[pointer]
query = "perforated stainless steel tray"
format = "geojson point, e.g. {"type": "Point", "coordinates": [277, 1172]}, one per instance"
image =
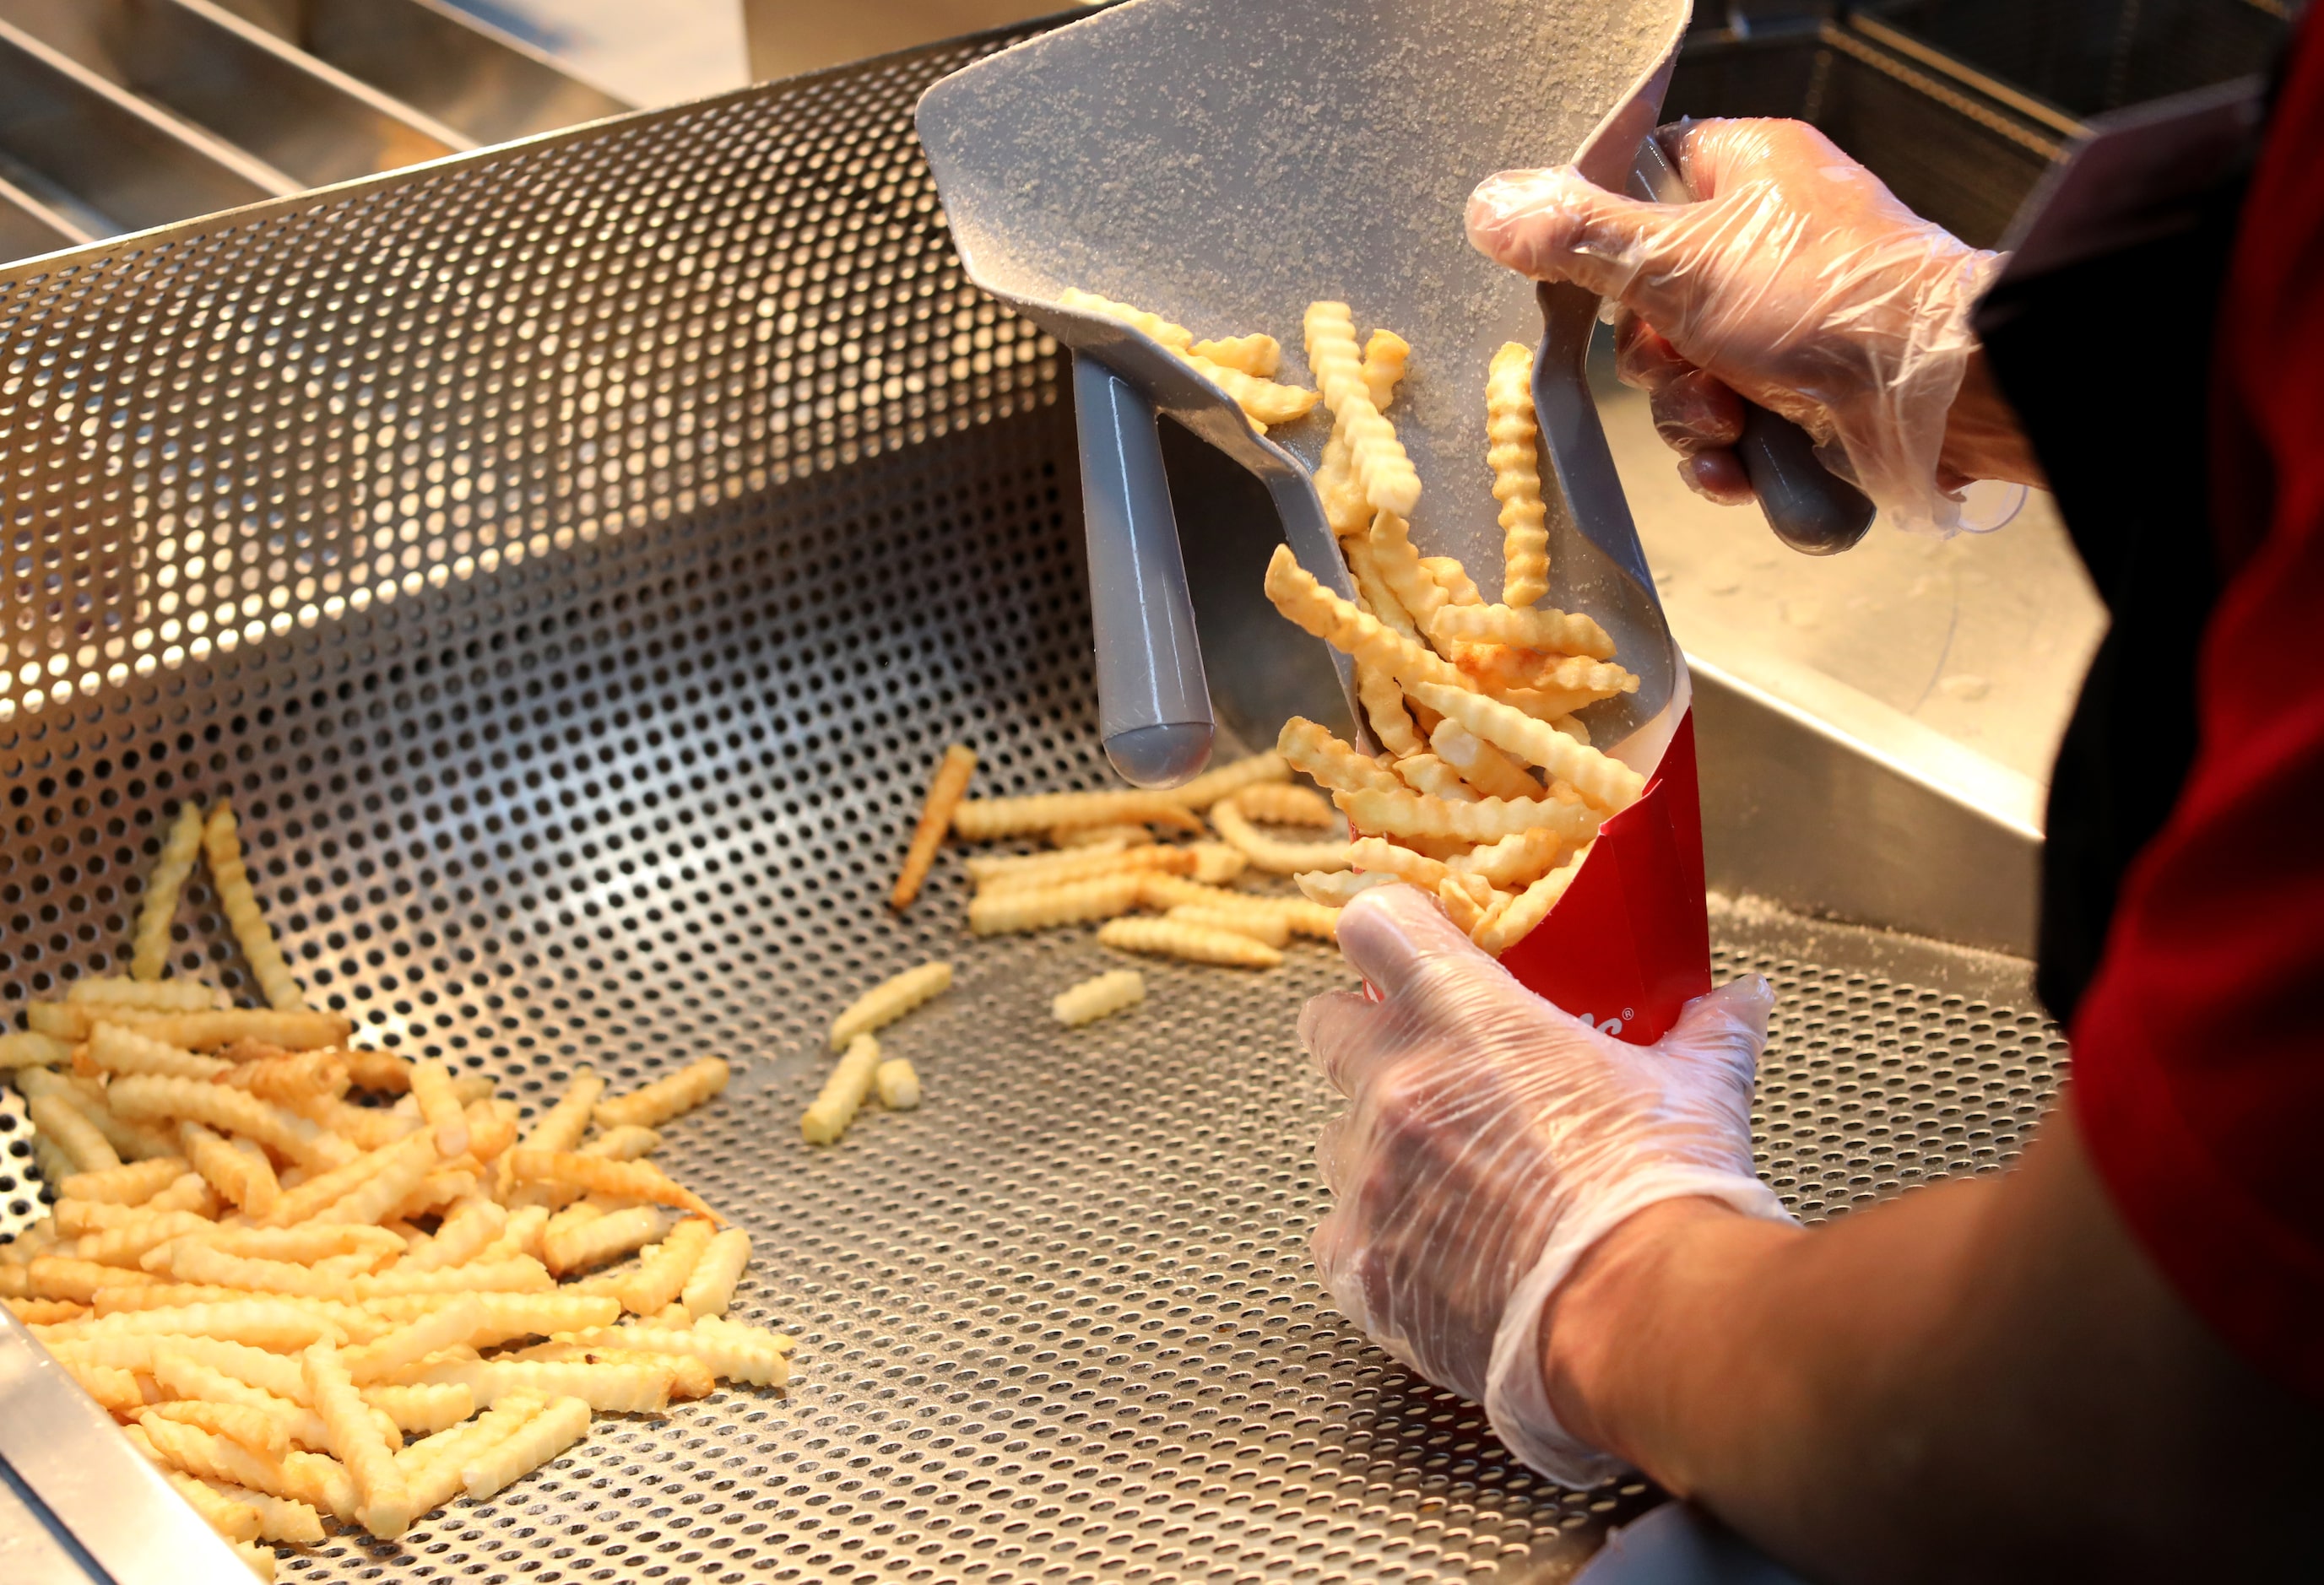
{"type": "Point", "coordinates": [571, 559]}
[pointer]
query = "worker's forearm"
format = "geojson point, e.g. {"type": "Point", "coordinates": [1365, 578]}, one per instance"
{"type": "Point", "coordinates": [1846, 1395]}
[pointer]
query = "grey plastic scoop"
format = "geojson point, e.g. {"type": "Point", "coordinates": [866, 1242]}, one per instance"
{"type": "Point", "coordinates": [1224, 163]}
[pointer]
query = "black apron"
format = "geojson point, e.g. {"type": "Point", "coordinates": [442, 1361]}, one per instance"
{"type": "Point", "coordinates": [2100, 333]}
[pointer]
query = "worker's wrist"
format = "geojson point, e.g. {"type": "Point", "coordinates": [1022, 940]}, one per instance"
{"type": "Point", "coordinates": [1617, 1332]}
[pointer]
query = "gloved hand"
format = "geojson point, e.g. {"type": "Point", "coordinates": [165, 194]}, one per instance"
{"type": "Point", "coordinates": [1796, 279]}
{"type": "Point", "coordinates": [1490, 1140]}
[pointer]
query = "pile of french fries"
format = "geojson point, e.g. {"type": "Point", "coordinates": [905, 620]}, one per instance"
{"type": "Point", "coordinates": [274, 1257]}
{"type": "Point", "coordinates": [1487, 793]}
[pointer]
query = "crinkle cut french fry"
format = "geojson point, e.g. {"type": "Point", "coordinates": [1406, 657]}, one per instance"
{"type": "Point", "coordinates": [1382, 697]}
{"type": "Point", "coordinates": [123, 1246]}
{"type": "Point", "coordinates": [1512, 923]}
{"type": "Point", "coordinates": [1178, 338]}
{"type": "Point", "coordinates": [610, 1389]}
{"type": "Point", "coordinates": [1606, 782]}
{"type": "Point", "coordinates": [886, 1002]}
{"type": "Point", "coordinates": [236, 1521]}
{"type": "Point", "coordinates": [29, 1048]}
{"type": "Point", "coordinates": [1117, 836]}
{"type": "Point", "coordinates": [1528, 627]}
{"type": "Point", "coordinates": [1099, 997]}
{"type": "Point", "coordinates": [410, 1162]}
{"type": "Point", "coordinates": [457, 1322]}
{"type": "Point", "coordinates": [149, 949]}
{"type": "Point", "coordinates": [577, 1245]}
{"type": "Point", "coordinates": [152, 1352]}
{"type": "Point", "coordinates": [176, 1373]}
{"type": "Point", "coordinates": [357, 1443]}
{"type": "Point", "coordinates": [47, 1311]}
{"type": "Point", "coordinates": [897, 1082]}
{"type": "Point", "coordinates": [627, 1180]}
{"type": "Point", "coordinates": [99, 992]}
{"type": "Point", "coordinates": [439, 1108]}
{"type": "Point", "coordinates": [130, 1138]}
{"type": "Point", "coordinates": [1514, 437]}
{"type": "Point", "coordinates": [985, 819]}
{"type": "Point", "coordinates": [238, 901]}
{"type": "Point", "coordinates": [1344, 506]}
{"type": "Point", "coordinates": [1460, 906]}
{"type": "Point", "coordinates": [738, 1353]}
{"type": "Point", "coordinates": [1379, 853]}
{"type": "Point", "coordinates": [1216, 863]}
{"type": "Point", "coordinates": [116, 1390]}
{"type": "Point", "coordinates": [625, 1142]}
{"type": "Point", "coordinates": [383, 1071]}
{"type": "Point", "coordinates": [522, 1274]}
{"type": "Point", "coordinates": [424, 1409]}
{"type": "Point", "coordinates": [1339, 888]}
{"type": "Point", "coordinates": [1399, 567]}
{"type": "Point", "coordinates": [1426, 773]}
{"type": "Point", "coordinates": [119, 1050]}
{"type": "Point", "coordinates": [1260, 355]}
{"type": "Point", "coordinates": [947, 787]}
{"type": "Point", "coordinates": [471, 1226]}
{"type": "Point", "coordinates": [843, 1092]}
{"type": "Point", "coordinates": [289, 1077]}
{"type": "Point", "coordinates": [432, 1466]}
{"type": "Point", "coordinates": [124, 1186]}
{"type": "Point", "coordinates": [1372, 592]}
{"type": "Point", "coordinates": [245, 1178]}
{"type": "Point", "coordinates": [1481, 765]}
{"type": "Point", "coordinates": [1305, 919]}
{"type": "Point", "coordinates": [1171, 939]}
{"type": "Point", "coordinates": [1332, 761]}
{"type": "Point", "coordinates": [258, 1430]}
{"type": "Point", "coordinates": [711, 1288]}
{"type": "Point", "coordinates": [1385, 355]}
{"type": "Point", "coordinates": [306, 1243]}
{"type": "Point", "coordinates": [1071, 866]}
{"type": "Point", "coordinates": [663, 1269]}
{"type": "Point", "coordinates": [507, 1316]}
{"type": "Point", "coordinates": [68, 1129]}
{"type": "Point", "coordinates": [259, 1559]}
{"type": "Point", "coordinates": [1015, 909]}
{"type": "Point", "coordinates": [1263, 401]}
{"type": "Point", "coordinates": [1287, 806]}
{"type": "Point", "coordinates": [280, 1519]}
{"type": "Point", "coordinates": [1409, 814]}
{"type": "Point", "coordinates": [1377, 457]}
{"type": "Point", "coordinates": [232, 1111]}
{"type": "Point", "coordinates": [1275, 857]}
{"type": "Point", "coordinates": [1296, 594]}
{"type": "Point", "coordinates": [1514, 861]}
{"type": "Point", "coordinates": [562, 1126]}
{"type": "Point", "coordinates": [692, 1085]}
{"type": "Point", "coordinates": [1273, 929]}
{"type": "Point", "coordinates": [291, 1030]}
{"type": "Point", "coordinates": [1453, 579]}
{"type": "Point", "coordinates": [536, 1442]}
{"type": "Point", "coordinates": [259, 1322]}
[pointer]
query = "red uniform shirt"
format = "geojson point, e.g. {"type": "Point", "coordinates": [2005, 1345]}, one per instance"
{"type": "Point", "coordinates": [2198, 1049]}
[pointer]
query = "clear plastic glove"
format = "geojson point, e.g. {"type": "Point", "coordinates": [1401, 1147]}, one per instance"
{"type": "Point", "coordinates": [1796, 279]}
{"type": "Point", "coordinates": [1490, 1140]}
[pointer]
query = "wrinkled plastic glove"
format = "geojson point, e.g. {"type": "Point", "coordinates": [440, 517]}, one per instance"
{"type": "Point", "coordinates": [1490, 1140]}
{"type": "Point", "coordinates": [1796, 279]}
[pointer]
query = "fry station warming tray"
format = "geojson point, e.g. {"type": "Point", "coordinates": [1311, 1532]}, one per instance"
{"type": "Point", "coordinates": [571, 557]}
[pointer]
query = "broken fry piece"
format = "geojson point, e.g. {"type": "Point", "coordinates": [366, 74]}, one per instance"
{"type": "Point", "coordinates": [1098, 997]}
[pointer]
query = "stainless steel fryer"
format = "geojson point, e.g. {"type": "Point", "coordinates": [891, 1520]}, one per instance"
{"type": "Point", "coordinates": [571, 558]}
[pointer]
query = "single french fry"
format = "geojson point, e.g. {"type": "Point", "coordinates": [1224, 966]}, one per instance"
{"type": "Point", "coordinates": [1373, 593]}
{"type": "Point", "coordinates": [355, 1442]}
{"type": "Point", "coordinates": [736, 1353]}
{"type": "Point", "coordinates": [1121, 835]}
{"type": "Point", "coordinates": [626, 1180]}
{"type": "Point", "coordinates": [280, 1519]}
{"type": "Point", "coordinates": [1275, 856]}
{"type": "Point", "coordinates": [354, 1323]}
{"type": "Point", "coordinates": [191, 1261]}
{"type": "Point", "coordinates": [539, 1440]}
{"type": "Point", "coordinates": [1338, 889]}
{"type": "Point", "coordinates": [411, 1163]}
{"type": "Point", "coordinates": [1426, 773]}
{"type": "Point", "coordinates": [1169, 938]}
{"type": "Point", "coordinates": [1512, 923]}
{"type": "Point", "coordinates": [432, 1468]}
{"type": "Point", "coordinates": [897, 1082]}
{"type": "Point", "coordinates": [610, 1389]}
{"type": "Point", "coordinates": [1099, 997]}
{"type": "Point", "coordinates": [1176, 337]}
{"type": "Point", "coordinates": [255, 1429]}
{"type": "Point", "coordinates": [306, 1243]}
{"type": "Point", "coordinates": [1263, 401]}
{"type": "Point", "coordinates": [238, 901]}
{"type": "Point", "coordinates": [425, 1409]}
{"type": "Point", "coordinates": [154, 1352]}
{"type": "Point", "coordinates": [1514, 861]}
{"type": "Point", "coordinates": [1021, 909]}
{"type": "Point", "coordinates": [245, 1178]}
{"type": "Point", "coordinates": [664, 1268]}
{"type": "Point", "coordinates": [260, 1322]}
{"type": "Point", "coordinates": [623, 1142]}
{"type": "Point", "coordinates": [1377, 853]}
{"type": "Point", "coordinates": [506, 1316]}
{"type": "Point", "coordinates": [286, 1076]}
{"type": "Point", "coordinates": [457, 1322]}
{"type": "Point", "coordinates": [711, 1288]}
{"type": "Point", "coordinates": [1524, 627]}
{"type": "Point", "coordinates": [439, 1108]}
{"type": "Point", "coordinates": [1514, 438]}
{"type": "Point", "coordinates": [133, 1185]}
{"type": "Point", "coordinates": [1344, 506]}
{"type": "Point", "coordinates": [1606, 782]}
{"type": "Point", "coordinates": [1330, 760]}
{"type": "Point", "coordinates": [1399, 567]}
{"type": "Point", "coordinates": [471, 1226]}
{"type": "Point", "coordinates": [124, 1246]}
{"type": "Point", "coordinates": [1481, 766]}
{"type": "Point", "coordinates": [1216, 862]}
{"type": "Point", "coordinates": [562, 1126]}
{"type": "Point", "coordinates": [843, 1092]}
{"type": "Point", "coordinates": [180, 1374]}
{"type": "Point", "coordinates": [383, 1071]}
{"type": "Point", "coordinates": [230, 1110]}
{"type": "Point", "coordinates": [1377, 457]}
{"type": "Point", "coordinates": [1060, 868]}
{"type": "Point", "coordinates": [1409, 816]}
{"type": "Point", "coordinates": [202, 1031]}
{"type": "Point", "coordinates": [366, 1128]}
{"type": "Point", "coordinates": [1287, 806]}
{"type": "Point", "coordinates": [886, 1002]}
{"type": "Point", "coordinates": [1299, 596]}
{"type": "Point", "coordinates": [522, 1274]}
{"type": "Point", "coordinates": [150, 948]}
{"type": "Point", "coordinates": [130, 1139]}
{"type": "Point", "coordinates": [1273, 929]}
{"type": "Point", "coordinates": [1463, 908]}
{"type": "Point", "coordinates": [680, 1092]}
{"type": "Point", "coordinates": [1305, 919]}
{"type": "Point", "coordinates": [1382, 697]}
{"type": "Point", "coordinates": [68, 1129]}
{"type": "Point", "coordinates": [29, 1048]}
{"type": "Point", "coordinates": [1260, 355]}
{"type": "Point", "coordinates": [99, 992]}
{"type": "Point", "coordinates": [236, 1521]}
{"type": "Point", "coordinates": [945, 789]}
{"type": "Point", "coordinates": [1385, 354]}
{"type": "Point", "coordinates": [986, 819]}
{"type": "Point", "coordinates": [47, 1311]}
{"type": "Point", "coordinates": [578, 1245]}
